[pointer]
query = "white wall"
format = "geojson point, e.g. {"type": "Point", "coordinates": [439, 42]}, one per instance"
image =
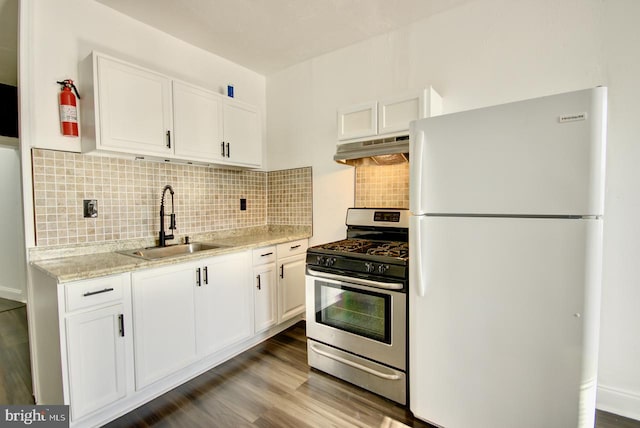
{"type": "Point", "coordinates": [57, 50]}
{"type": "Point", "coordinates": [12, 263]}
{"type": "Point", "coordinates": [56, 36]}
{"type": "Point", "coordinates": [483, 53]}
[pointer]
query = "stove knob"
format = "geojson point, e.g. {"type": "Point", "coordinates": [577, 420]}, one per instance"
{"type": "Point", "coordinates": [370, 267]}
{"type": "Point", "coordinates": [320, 260]}
{"type": "Point", "coordinates": [383, 268]}
{"type": "Point", "coordinates": [331, 261]}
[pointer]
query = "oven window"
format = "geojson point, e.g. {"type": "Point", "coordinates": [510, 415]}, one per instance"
{"type": "Point", "coordinates": [364, 313]}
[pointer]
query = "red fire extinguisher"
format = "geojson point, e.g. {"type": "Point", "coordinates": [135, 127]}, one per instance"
{"type": "Point", "coordinates": [68, 108]}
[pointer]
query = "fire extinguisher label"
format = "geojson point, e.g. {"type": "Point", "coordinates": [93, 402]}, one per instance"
{"type": "Point", "coordinates": [68, 114]}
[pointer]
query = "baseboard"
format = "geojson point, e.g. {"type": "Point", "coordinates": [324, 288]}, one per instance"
{"type": "Point", "coordinates": [618, 401]}
{"type": "Point", "coordinates": [12, 294]}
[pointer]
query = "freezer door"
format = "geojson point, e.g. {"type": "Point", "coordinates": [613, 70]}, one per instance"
{"type": "Point", "coordinates": [537, 157]}
{"type": "Point", "coordinates": [504, 322]}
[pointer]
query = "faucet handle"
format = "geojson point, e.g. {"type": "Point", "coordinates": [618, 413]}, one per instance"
{"type": "Point", "coordinates": [186, 239]}
{"type": "Point", "coordinates": [172, 222]}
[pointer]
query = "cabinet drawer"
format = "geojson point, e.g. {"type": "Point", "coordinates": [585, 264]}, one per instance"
{"type": "Point", "coordinates": [264, 255]}
{"type": "Point", "coordinates": [292, 248]}
{"type": "Point", "coordinates": [82, 294]}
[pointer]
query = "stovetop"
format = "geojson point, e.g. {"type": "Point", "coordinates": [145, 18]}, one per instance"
{"type": "Point", "coordinates": [347, 247]}
{"type": "Point", "coordinates": [375, 247]}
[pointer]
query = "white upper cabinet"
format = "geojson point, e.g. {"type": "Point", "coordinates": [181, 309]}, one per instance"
{"type": "Point", "coordinates": [242, 141]}
{"type": "Point", "coordinates": [197, 123]}
{"type": "Point", "coordinates": [358, 121]}
{"type": "Point", "coordinates": [128, 110]}
{"type": "Point", "coordinates": [387, 117]}
{"type": "Point", "coordinates": [133, 110]}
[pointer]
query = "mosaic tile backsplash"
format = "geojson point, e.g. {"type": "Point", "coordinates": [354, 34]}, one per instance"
{"type": "Point", "coordinates": [290, 197]}
{"type": "Point", "coordinates": [128, 193]}
{"type": "Point", "coordinates": [382, 186]}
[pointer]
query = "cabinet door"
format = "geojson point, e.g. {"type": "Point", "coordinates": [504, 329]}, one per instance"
{"type": "Point", "coordinates": [265, 297]}
{"type": "Point", "coordinates": [96, 359]}
{"type": "Point", "coordinates": [164, 330]}
{"type": "Point", "coordinates": [134, 114]}
{"type": "Point", "coordinates": [395, 113]}
{"type": "Point", "coordinates": [358, 121]}
{"type": "Point", "coordinates": [224, 305]}
{"type": "Point", "coordinates": [197, 123]}
{"type": "Point", "coordinates": [242, 134]}
{"type": "Point", "coordinates": [291, 282]}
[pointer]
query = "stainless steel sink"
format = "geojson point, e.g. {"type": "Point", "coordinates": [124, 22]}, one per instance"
{"type": "Point", "coordinates": [154, 253]}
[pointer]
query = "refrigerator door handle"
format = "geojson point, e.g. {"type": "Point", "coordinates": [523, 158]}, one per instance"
{"type": "Point", "coordinates": [417, 275]}
{"type": "Point", "coordinates": [416, 173]}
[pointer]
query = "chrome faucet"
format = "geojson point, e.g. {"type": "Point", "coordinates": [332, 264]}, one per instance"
{"type": "Point", "coordinates": [172, 221]}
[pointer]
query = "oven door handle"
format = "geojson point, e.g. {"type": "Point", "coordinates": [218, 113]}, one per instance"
{"type": "Point", "coordinates": [354, 364]}
{"type": "Point", "coordinates": [360, 281]}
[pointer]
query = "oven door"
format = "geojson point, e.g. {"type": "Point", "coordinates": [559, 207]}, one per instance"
{"type": "Point", "coordinates": [358, 317]}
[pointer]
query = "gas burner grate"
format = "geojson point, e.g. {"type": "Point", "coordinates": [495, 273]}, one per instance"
{"type": "Point", "coordinates": [348, 245]}
{"type": "Point", "coordinates": [390, 249]}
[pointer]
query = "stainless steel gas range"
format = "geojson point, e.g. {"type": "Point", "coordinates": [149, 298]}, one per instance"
{"type": "Point", "coordinates": [356, 291]}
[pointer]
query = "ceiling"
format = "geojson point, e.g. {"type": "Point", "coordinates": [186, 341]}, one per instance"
{"type": "Point", "coordinates": [263, 35]}
{"type": "Point", "coordinates": [269, 35]}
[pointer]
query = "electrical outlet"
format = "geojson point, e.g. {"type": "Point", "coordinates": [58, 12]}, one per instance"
{"type": "Point", "coordinates": [90, 208]}
{"type": "Point", "coordinates": [243, 204]}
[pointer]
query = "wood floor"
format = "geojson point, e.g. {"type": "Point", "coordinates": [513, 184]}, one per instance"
{"type": "Point", "coordinates": [272, 386]}
{"type": "Point", "coordinates": [15, 366]}
{"type": "Point", "coordinates": [267, 386]}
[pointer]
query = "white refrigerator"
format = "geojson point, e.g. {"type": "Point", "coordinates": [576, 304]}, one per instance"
{"type": "Point", "coordinates": [505, 258]}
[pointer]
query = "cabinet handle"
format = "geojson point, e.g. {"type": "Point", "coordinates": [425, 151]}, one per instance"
{"type": "Point", "coordinates": [228, 151]}
{"type": "Point", "coordinates": [295, 246]}
{"type": "Point", "coordinates": [168, 139]}
{"type": "Point", "coordinates": [222, 145]}
{"type": "Point", "coordinates": [258, 278]}
{"type": "Point", "coordinates": [282, 271]}
{"type": "Point", "coordinates": [198, 277]}
{"type": "Point", "coordinates": [91, 293]}
{"type": "Point", "coordinates": [206, 275]}
{"type": "Point", "coordinates": [121, 324]}
{"type": "Point", "coordinates": [266, 254]}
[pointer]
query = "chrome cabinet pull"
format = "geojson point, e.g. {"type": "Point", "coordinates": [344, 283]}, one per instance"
{"type": "Point", "coordinates": [91, 293]}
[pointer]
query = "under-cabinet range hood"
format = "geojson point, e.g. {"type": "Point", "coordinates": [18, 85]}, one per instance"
{"type": "Point", "coordinates": [383, 151]}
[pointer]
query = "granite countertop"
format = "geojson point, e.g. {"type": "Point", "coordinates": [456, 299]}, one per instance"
{"type": "Point", "coordinates": [74, 263]}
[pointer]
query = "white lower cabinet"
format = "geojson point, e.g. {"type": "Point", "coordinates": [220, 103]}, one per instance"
{"type": "Point", "coordinates": [223, 303]}
{"type": "Point", "coordinates": [112, 343]}
{"type": "Point", "coordinates": [265, 297]}
{"type": "Point", "coordinates": [96, 359]}
{"type": "Point", "coordinates": [164, 328]}
{"type": "Point", "coordinates": [291, 279]}
{"type": "Point", "coordinates": [94, 324]}
{"type": "Point", "coordinates": [187, 311]}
